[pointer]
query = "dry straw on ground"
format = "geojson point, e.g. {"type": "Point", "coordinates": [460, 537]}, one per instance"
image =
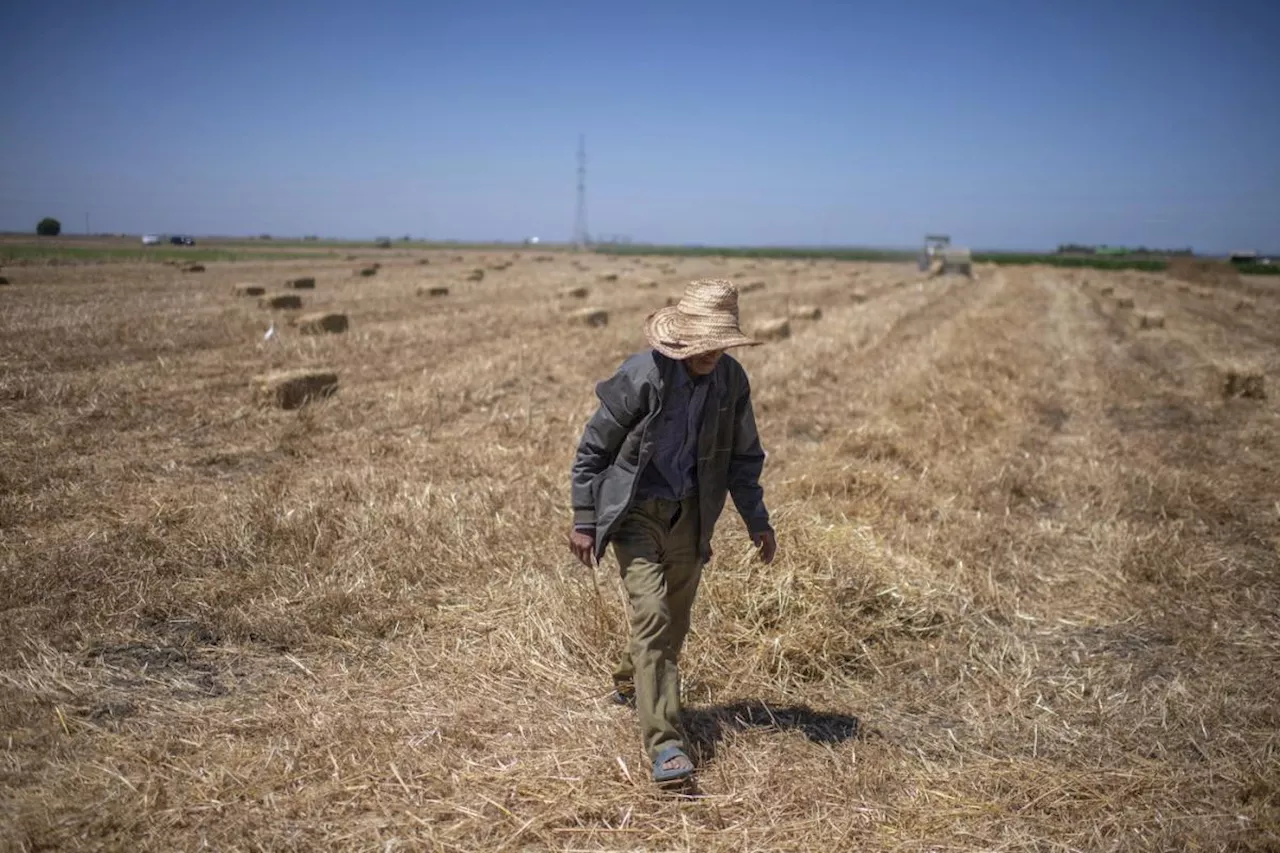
{"type": "Point", "coordinates": [291, 389]}
{"type": "Point", "coordinates": [281, 301]}
{"type": "Point", "coordinates": [1025, 597]}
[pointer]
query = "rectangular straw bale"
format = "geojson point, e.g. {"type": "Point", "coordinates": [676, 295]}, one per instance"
{"type": "Point", "coordinates": [806, 312]}
{"type": "Point", "coordinates": [291, 389]}
{"type": "Point", "coordinates": [574, 293]}
{"type": "Point", "coordinates": [594, 317]}
{"type": "Point", "coordinates": [1124, 301]}
{"type": "Point", "coordinates": [773, 330]}
{"type": "Point", "coordinates": [858, 296]}
{"type": "Point", "coordinates": [281, 301]}
{"type": "Point", "coordinates": [249, 290]}
{"type": "Point", "coordinates": [1151, 320]}
{"type": "Point", "coordinates": [1246, 382]}
{"type": "Point", "coordinates": [1106, 290]}
{"type": "Point", "coordinates": [751, 287]}
{"type": "Point", "coordinates": [322, 323]}
{"type": "Point", "coordinates": [437, 290]}
{"type": "Point", "coordinates": [306, 283]}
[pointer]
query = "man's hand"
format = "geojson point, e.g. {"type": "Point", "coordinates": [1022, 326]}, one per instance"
{"type": "Point", "coordinates": [583, 545]}
{"type": "Point", "coordinates": [766, 543]}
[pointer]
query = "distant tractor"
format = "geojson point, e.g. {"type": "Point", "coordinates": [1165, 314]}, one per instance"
{"type": "Point", "coordinates": [939, 257]}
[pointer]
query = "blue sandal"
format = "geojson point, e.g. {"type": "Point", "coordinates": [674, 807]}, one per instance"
{"type": "Point", "coordinates": [662, 775]}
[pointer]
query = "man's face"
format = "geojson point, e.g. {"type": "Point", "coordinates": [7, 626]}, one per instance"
{"type": "Point", "coordinates": [701, 365]}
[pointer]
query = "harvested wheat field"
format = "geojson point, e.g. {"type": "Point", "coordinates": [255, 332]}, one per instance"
{"type": "Point", "coordinates": [1026, 594]}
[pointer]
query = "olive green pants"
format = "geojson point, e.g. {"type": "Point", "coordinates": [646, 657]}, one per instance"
{"type": "Point", "coordinates": [657, 549]}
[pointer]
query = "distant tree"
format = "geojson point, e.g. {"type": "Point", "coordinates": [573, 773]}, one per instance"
{"type": "Point", "coordinates": [264, 236]}
{"type": "Point", "coordinates": [49, 227]}
{"type": "Point", "coordinates": [383, 242]}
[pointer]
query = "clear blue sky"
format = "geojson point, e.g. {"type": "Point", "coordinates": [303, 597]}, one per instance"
{"type": "Point", "coordinates": [1015, 124]}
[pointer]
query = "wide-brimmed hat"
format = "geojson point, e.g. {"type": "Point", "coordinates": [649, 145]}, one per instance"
{"type": "Point", "coordinates": [705, 319]}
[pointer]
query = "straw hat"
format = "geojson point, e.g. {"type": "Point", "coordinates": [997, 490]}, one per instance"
{"type": "Point", "coordinates": [705, 319]}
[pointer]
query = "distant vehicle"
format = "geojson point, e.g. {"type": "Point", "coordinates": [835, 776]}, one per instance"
{"type": "Point", "coordinates": [150, 240]}
{"type": "Point", "coordinates": [182, 240]}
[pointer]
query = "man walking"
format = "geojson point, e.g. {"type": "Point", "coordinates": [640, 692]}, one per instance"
{"type": "Point", "coordinates": [674, 435]}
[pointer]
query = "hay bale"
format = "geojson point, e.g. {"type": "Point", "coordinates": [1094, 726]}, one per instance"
{"type": "Point", "coordinates": [281, 301]}
{"type": "Point", "coordinates": [1245, 305]}
{"type": "Point", "coordinates": [1150, 320]}
{"type": "Point", "coordinates": [476, 275]}
{"type": "Point", "coordinates": [194, 268]}
{"type": "Point", "coordinates": [806, 312]}
{"type": "Point", "coordinates": [773, 330]}
{"type": "Point", "coordinates": [422, 262]}
{"type": "Point", "coordinates": [1244, 382]}
{"type": "Point", "coordinates": [646, 285]}
{"type": "Point", "coordinates": [437, 290]}
{"type": "Point", "coordinates": [322, 323]}
{"type": "Point", "coordinates": [574, 293]}
{"type": "Point", "coordinates": [612, 276]}
{"type": "Point", "coordinates": [751, 287]}
{"type": "Point", "coordinates": [291, 389]}
{"type": "Point", "coordinates": [1201, 271]}
{"type": "Point", "coordinates": [303, 283]}
{"type": "Point", "coordinates": [249, 290]}
{"type": "Point", "coordinates": [1124, 301]}
{"type": "Point", "coordinates": [1106, 290]}
{"type": "Point", "coordinates": [368, 271]}
{"type": "Point", "coordinates": [3, 280]}
{"type": "Point", "coordinates": [593, 317]}
{"type": "Point", "coordinates": [858, 296]}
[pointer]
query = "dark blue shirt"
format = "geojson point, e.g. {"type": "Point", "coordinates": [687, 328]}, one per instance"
{"type": "Point", "coordinates": [672, 473]}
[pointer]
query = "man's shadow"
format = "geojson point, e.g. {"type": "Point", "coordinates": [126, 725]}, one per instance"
{"type": "Point", "coordinates": [706, 727]}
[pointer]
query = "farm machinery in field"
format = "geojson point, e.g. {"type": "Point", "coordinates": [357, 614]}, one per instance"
{"type": "Point", "coordinates": [939, 257]}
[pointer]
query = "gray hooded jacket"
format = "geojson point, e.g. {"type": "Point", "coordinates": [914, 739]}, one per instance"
{"type": "Point", "coordinates": [617, 444]}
